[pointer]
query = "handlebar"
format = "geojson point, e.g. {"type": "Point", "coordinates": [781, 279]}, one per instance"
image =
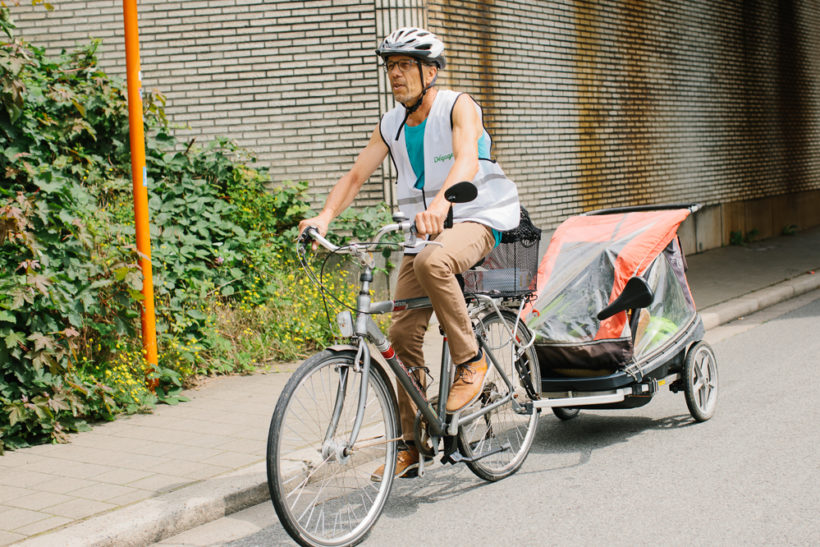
{"type": "Point", "coordinates": [406, 226]}
{"type": "Point", "coordinates": [461, 192]}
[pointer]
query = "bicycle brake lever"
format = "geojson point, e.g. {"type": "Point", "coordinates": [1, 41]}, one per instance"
{"type": "Point", "coordinates": [422, 243]}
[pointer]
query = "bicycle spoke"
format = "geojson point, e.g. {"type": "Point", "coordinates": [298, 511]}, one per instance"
{"type": "Point", "coordinates": [330, 499]}
{"type": "Point", "coordinates": [502, 426]}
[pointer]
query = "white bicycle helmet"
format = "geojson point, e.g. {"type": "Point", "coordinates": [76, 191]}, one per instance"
{"type": "Point", "coordinates": [414, 42]}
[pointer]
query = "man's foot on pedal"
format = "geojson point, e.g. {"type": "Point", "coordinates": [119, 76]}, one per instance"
{"type": "Point", "coordinates": [407, 464]}
{"type": "Point", "coordinates": [468, 384]}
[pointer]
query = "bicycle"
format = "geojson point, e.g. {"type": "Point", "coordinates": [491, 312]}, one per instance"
{"type": "Point", "coordinates": [336, 420]}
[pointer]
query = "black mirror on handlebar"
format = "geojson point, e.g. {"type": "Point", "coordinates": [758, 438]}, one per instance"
{"type": "Point", "coordinates": [460, 192]}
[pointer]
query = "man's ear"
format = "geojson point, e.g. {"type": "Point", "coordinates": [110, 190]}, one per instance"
{"type": "Point", "coordinates": [430, 75]}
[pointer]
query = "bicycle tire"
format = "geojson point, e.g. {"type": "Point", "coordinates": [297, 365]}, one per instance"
{"type": "Point", "coordinates": [502, 425]}
{"type": "Point", "coordinates": [322, 496]}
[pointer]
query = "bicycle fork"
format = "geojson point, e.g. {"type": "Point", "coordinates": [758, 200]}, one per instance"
{"type": "Point", "coordinates": [361, 362]}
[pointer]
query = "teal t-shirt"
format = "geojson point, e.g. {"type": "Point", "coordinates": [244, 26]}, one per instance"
{"type": "Point", "coordinates": [414, 140]}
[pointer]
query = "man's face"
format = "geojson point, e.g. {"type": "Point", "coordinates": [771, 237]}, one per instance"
{"type": "Point", "coordinates": [404, 77]}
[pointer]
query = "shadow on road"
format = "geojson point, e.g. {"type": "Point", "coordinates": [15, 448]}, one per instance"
{"type": "Point", "coordinates": [589, 432]}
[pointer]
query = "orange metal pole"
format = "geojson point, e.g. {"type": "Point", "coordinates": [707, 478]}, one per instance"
{"type": "Point", "coordinates": [139, 178]}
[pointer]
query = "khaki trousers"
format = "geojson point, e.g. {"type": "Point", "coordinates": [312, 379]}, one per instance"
{"type": "Point", "coordinates": [432, 273]}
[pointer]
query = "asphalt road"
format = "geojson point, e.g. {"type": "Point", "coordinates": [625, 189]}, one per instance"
{"type": "Point", "coordinates": [749, 476]}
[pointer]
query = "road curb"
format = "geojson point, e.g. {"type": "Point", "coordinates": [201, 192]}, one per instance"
{"type": "Point", "coordinates": [722, 313]}
{"type": "Point", "coordinates": [155, 519]}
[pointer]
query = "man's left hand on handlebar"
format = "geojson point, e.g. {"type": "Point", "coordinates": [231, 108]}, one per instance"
{"type": "Point", "coordinates": [319, 222]}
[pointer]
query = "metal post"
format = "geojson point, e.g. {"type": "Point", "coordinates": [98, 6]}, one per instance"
{"type": "Point", "coordinates": [139, 178]}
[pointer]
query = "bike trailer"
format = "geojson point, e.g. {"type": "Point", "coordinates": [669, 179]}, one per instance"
{"type": "Point", "coordinates": [588, 262]}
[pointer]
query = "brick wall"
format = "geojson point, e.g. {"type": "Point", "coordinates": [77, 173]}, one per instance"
{"type": "Point", "coordinates": [596, 104]}
{"type": "Point", "coordinates": [295, 82]}
{"type": "Point", "coordinates": [590, 103]}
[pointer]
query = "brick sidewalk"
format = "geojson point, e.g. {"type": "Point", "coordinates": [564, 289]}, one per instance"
{"type": "Point", "coordinates": [223, 428]}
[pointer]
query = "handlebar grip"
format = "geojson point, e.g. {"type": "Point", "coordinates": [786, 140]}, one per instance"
{"type": "Point", "coordinates": [307, 234]}
{"type": "Point", "coordinates": [311, 233]}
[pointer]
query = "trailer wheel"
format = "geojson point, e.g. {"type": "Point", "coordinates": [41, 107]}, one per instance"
{"type": "Point", "coordinates": [565, 413]}
{"type": "Point", "coordinates": [700, 381]}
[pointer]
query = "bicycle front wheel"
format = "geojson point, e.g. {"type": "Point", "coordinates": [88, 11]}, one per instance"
{"type": "Point", "coordinates": [499, 441]}
{"type": "Point", "coordinates": [321, 490]}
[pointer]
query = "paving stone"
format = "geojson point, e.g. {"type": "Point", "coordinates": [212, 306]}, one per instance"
{"type": "Point", "coordinates": [79, 508]}
{"type": "Point", "coordinates": [146, 447]}
{"type": "Point", "coordinates": [38, 500]}
{"type": "Point", "coordinates": [81, 470]}
{"type": "Point", "coordinates": [140, 462]}
{"type": "Point", "coordinates": [123, 476]}
{"type": "Point", "coordinates": [11, 492]}
{"type": "Point", "coordinates": [22, 478]}
{"type": "Point", "coordinates": [42, 525]}
{"type": "Point", "coordinates": [101, 492]}
{"type": "Point", "coordinates": [7, 538]}
{"type": "Point", "coordinates": [200, 471]}
{"type": "Point", "coordinates": [160, 483]}
{"type": "Point", "coordinates": [192, 453]}
{"type": "Point", "coordinates": [233, 460]}
{"type": "Point", "coordinates": [19, 458]}
{"type": "Point", "coordinates": [134, 496]}
{"type": "Point", "coordinates": [12, 518]}
{"type": "Point", "coordinates": [246, 446]}
{"type": "Point", "coordinates": [46, 465]}
{"type": "Point", "coordinates": [62, 485]}
{"type": "Point", "coordinates": [207, 440]}
{"type": "Point", "coordinates": [86, 455]}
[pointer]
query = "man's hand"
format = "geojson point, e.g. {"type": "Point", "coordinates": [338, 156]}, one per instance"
{"type": "Point", "coordinates": [320, 222]}
{"type": "Point", "coordinates": [431, 221]}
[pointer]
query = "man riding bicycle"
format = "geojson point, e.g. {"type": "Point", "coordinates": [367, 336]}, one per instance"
{"type": "Point", "coordinates": [435, 138]}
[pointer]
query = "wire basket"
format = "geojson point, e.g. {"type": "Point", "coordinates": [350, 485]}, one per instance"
{"type": "Point", "coordinates": [510, 270]}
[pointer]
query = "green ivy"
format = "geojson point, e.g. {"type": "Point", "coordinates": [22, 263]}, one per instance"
{"type": "Point", "coordinates": [228, 290]}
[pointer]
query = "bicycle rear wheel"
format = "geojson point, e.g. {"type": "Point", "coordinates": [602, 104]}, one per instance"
{"type": "Point", "coordinates": [323, 495]}
{"type": "Point", "coordinates": [500, 440]}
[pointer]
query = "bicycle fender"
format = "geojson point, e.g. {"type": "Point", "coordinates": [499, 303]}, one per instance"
{"type": "Point", "coordinates": [339, 348]}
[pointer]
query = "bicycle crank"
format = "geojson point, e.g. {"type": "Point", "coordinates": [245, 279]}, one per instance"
{"type": "Point", "coordinates": [458, 457]}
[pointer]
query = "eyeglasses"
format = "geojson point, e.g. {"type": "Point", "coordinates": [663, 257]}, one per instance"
{"type": "Point", "coordinates": [405, 65]}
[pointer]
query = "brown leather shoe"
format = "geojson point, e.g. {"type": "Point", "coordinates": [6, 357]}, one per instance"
{"type": "Point", "coordinates": [407, 464]}
{"type": "Point", "coordinates": [468, 384]}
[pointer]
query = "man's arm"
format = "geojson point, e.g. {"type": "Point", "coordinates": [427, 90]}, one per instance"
{"type": "Point", "coordinates": [346, 188]}
{"type": "Point", "coordinates": [467, 129]}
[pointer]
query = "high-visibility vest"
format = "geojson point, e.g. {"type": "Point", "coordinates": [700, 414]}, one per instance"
{"type": "Point", "coordinates": [496, 204]}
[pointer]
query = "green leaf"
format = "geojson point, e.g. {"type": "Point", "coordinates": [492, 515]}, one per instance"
{"type": "Point", "coordinates": [196, 314]}
{"type": "Point", "coordinates": [47, 186]}
{"type": "Point", "coordinates": [16, 414]}
{"type": "Point", "coordinates": [8, 317]}
{"type": "Point", "coordinates": [227, 291]}
{"type": "Point", "coordinates": [14, 339]}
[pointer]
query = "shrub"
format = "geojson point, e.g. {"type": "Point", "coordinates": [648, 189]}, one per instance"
{"type": "Point", "coordinates": [229, 293]}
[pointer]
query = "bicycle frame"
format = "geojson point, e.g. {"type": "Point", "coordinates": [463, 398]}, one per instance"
{"type": "Point", "coordinates": [440, 423]}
